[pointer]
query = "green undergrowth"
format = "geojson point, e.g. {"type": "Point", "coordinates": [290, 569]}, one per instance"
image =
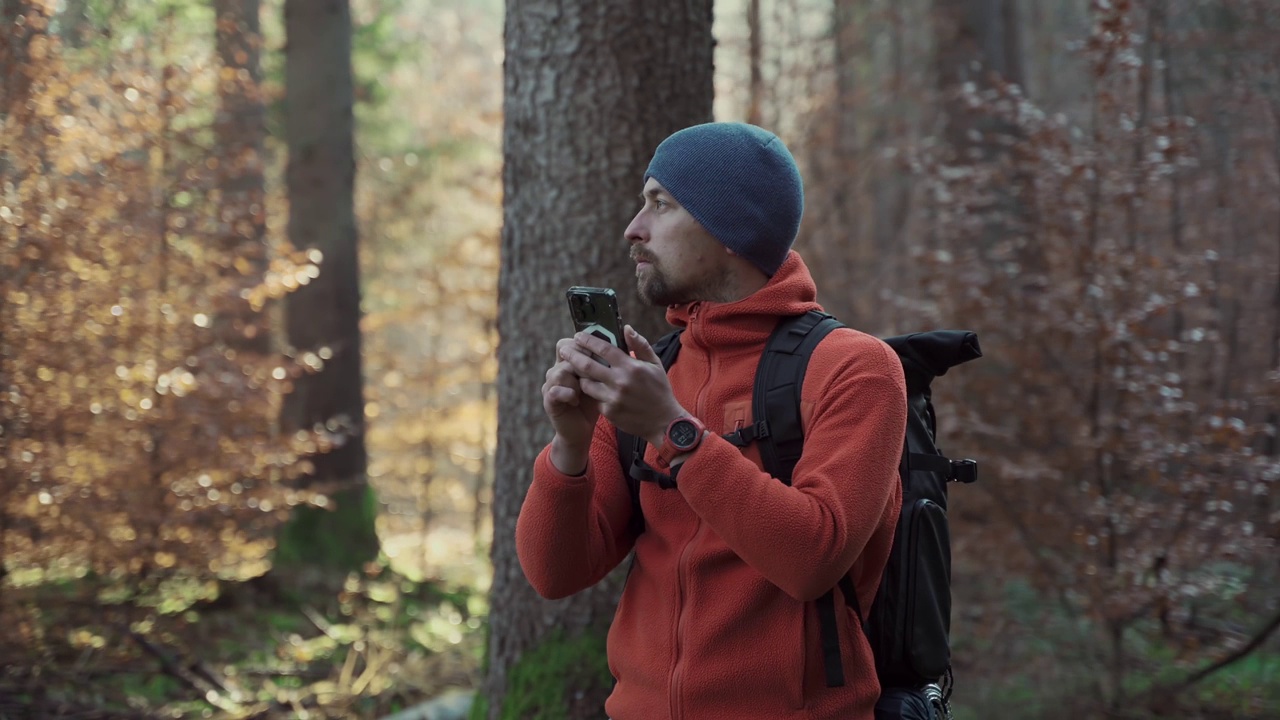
{"type": "Point", "coordinates": [361, 645]}
{"type": "Point", "coordinates": [543, 685]}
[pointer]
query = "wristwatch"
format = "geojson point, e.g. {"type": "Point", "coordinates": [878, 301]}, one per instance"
{"type": "Point", "coordinates": [684, 434]}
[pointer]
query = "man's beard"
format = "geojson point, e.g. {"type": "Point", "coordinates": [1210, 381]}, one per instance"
{"type": "Point", "coordinates": [655, 288]}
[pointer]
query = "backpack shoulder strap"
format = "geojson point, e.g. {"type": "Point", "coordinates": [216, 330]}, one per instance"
{"type": "Point", "coordinates": [775, 402]}
{"type": "Point", "coordinates": [775, 407]}
{"type": "Point", "coordinates": [630, 447]}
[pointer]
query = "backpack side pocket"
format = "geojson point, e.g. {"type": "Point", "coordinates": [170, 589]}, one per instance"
{"type": "Point", "coordinates": [928, 591]}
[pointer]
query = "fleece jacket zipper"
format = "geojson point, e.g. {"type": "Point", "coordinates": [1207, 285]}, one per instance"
{"type": "Point", "coordinates": [682, 572]}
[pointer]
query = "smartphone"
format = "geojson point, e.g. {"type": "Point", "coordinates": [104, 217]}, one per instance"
{"type": "Point", "coordinates": [595, 311]}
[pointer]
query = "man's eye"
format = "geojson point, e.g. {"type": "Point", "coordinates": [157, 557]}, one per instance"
{"type": "Point", "coordinates": [660, 203]}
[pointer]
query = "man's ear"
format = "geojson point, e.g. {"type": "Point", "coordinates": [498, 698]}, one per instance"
{"type": "Point", "coordinates": [729, 250]}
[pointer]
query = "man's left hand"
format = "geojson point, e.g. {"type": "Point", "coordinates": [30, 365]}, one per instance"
{"type": "Point", "coordinates": [633, 390]}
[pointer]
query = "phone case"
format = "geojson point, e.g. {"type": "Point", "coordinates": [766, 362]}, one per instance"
{"type": "Point", "coordinates": [595, 311]}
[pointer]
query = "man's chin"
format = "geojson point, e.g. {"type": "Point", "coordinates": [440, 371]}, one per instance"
{"type": "Point", "coordinates": [645, 290]}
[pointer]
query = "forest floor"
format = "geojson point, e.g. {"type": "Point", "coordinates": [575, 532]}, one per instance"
{"type": "Point", "coordinates": [410, 628]}
{"type": "Point", "coordinates": [364, 646]}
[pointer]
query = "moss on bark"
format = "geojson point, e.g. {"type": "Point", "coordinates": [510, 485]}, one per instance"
{"type": "Point", "coordinates": [551, 681]}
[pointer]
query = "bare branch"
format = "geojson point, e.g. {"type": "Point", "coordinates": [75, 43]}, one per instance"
{"type": "Point", "coordinates": [1244, 651]}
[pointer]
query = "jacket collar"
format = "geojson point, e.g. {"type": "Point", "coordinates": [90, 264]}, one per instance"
{"type": "Point", "coordinates": [746, 323]}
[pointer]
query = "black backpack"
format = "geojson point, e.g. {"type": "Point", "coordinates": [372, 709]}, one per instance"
{"type": "Point", "coordinates": [910, 620]}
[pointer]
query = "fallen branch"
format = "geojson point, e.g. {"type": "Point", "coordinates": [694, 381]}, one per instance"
{"type": "Point", "coordinates": [1238, 655]}
{"type": "Point", "coordinates": [303, 673]}
{"type": "Point", "coordinates": [22, 702]}
{"type": "Point", "coordinates": [212, 691]}
{"type": "Point", "coordinates": [318, 620]}
{"type": "Point", "coordinates": [1171, 689]}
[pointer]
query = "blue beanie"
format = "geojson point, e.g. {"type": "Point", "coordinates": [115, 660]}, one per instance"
{"type": "Point", "coordinates": [739, 182]}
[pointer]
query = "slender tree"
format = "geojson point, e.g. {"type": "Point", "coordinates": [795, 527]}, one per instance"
{"type": "Point", "coordinates": [977, 42]}
{"type": "Point", "coordinates": [322, 319]}
{"type": "Point", "coordinates": [240, 129]}
{"type": "Point", "coordinates": [583, 113]}
{"type": "Point", "coordinates": [755, 58]}
{"type": "Point", "coordinates": [24, 37]}
{"type": "Point", "coordinates": [848, 262]}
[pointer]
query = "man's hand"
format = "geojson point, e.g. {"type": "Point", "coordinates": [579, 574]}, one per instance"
{"type": "Point", "coordinates": [632, 391]}
{"type": "Point", "coordinates": [572, 414]}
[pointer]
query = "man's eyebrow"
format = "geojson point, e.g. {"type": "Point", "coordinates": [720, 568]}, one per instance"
{"type": "Point", "coordinates": [651, 193]}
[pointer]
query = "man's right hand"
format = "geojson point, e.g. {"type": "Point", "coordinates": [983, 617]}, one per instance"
{"type": "Point", "coordinates": [573, 414]}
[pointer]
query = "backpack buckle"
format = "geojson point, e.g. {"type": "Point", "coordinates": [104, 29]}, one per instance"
{"type": "Point", "coordinates": [745, 436]}
{"type": "Point", "coordinates": [964, 471]}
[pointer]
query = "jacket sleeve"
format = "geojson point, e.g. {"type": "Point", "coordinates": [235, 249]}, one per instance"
{"type": "Point", "coordinates": [804, 537]}
{"type": "Point", "coordinates": [572, 531]}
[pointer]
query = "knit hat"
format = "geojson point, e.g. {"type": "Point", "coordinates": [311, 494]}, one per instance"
{"type": "Point", "coordinates": [739, 182]}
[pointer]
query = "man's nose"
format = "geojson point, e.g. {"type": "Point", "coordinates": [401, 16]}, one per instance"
{"type": "Point", "coordinates": [636, 230]}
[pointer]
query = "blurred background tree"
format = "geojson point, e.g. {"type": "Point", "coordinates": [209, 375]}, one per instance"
{"type": "Point", "coordinates": [257, 258]}
{"type": "Point", "coordinates": [322, 318]}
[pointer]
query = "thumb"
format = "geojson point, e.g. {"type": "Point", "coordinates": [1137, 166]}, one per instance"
{"type": "Point", "coordinates": [640, 348]}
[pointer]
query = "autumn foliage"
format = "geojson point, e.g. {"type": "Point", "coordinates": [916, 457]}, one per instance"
{"type": "Point", "coordinates": [1107, 221]}
{"type": "Point", "coordinates": [1118, 266]}
{"type": "Point", "coordinates": [139, 446]}
{"type": "Point", "coordinates": [145, 474]}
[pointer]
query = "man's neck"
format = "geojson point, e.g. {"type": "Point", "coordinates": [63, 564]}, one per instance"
{"type": "Point", "coordinates": [745, 285]}
{"type": "Point", "coordinates": [735, 285]}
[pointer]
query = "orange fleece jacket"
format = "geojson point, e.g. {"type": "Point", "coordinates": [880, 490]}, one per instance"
{"type": "Point", "coordinates": [716, 619]}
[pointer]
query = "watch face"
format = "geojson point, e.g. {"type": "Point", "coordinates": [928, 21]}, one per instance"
{"type": "Point", "coordinates": [683, 433]}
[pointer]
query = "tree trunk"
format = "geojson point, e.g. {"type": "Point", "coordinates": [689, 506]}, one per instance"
{"type": "Point", "coordinates": [755, 58]}
{"type": "Point", "coordinates": [323, 317]}
{"type": "Point", "coordinates": [25, 26]}
{"type": "Point", "coordinates": [977, 40]}
{"type": "Point", "coordinates": [74, 25]}
{"type": "Point", "coordinates": [584, 112]}
{"type": "Point", "coordinates": [24, 43]}
{"type": "Point", "coordinates": [848, 258]}
{"type": "Point", "coordinates": [978, 49]}
{"type": "Point", "coordinates": [240, 128]}
{"type": "Point", "coordinates": [894, 128]}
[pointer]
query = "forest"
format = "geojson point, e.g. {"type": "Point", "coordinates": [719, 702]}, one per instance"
{"type": "Point", "coordinates": [280, 279]}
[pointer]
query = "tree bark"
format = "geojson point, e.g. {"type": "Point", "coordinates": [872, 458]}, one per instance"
{"type": "Point", "coordinates": [323, 317]}
{"type": "Point", "coordinates": [977, 50]}
{"type": "Point", "coordinates": [584, 112]}
{"type": "Point", "coordinates": [977, 41]}
{"type": "Point", "coordinates": [755, 58]}
{"type": "Point", "coordinates": [25, 26]}
{"type": "Point", "coordinates": [24, 43]}
{"type": "Point", "coordinates": [74, 25]}
{"type": "Point", "coordinates": [847, 260]}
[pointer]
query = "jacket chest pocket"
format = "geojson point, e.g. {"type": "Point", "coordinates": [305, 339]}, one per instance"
{"type": "Point", "coordinates": [737, 415]}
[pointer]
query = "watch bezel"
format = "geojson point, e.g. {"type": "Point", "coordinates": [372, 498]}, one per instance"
{"type": "Point", "coordinates": [694, 427]}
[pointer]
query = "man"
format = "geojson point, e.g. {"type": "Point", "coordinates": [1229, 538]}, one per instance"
{"type": "Point", "coordinates": [717, 618]}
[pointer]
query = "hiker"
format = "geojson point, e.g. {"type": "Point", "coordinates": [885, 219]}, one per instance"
{"type": "Point", "coordinates": [719, 617]}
